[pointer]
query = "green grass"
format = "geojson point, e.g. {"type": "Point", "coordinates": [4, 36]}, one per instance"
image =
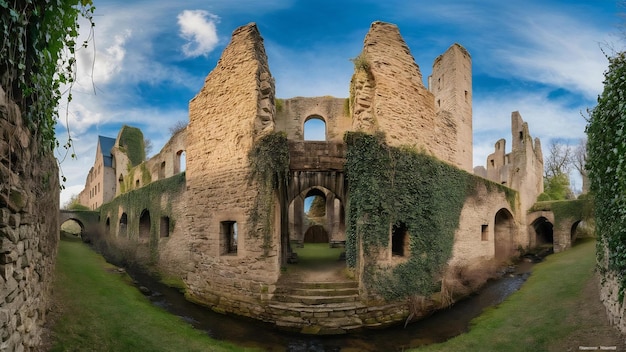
{"type": "Point", "coordinates": [536, 317]}
{"type": "Point", "coordinates": [101, 311]}
{"type": "Point", "coordinates": [317, 253]}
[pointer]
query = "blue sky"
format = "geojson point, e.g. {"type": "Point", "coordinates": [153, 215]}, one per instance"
{"type": "Point", "coordinates": [542, 58]}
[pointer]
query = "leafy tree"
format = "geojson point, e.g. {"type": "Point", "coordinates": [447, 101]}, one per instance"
{"type": "Point", "coordinates": [557, 165]}
{"type": "Point", "coordinates": [606, 163]}
{"type": "Point", "coordinates": [74, 204]}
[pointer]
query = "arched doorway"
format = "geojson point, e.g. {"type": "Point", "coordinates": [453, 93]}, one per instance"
{"type": "Point", "coordinates": [72, 228]}
{"type": "Point", "coordinates": [317, 236]}
{"type": "Point", "coordinates": [575, 230]}
{"type": "Point", "coordinates": [504, 235]}
{"type": "Point", "coordinates": [122, 231]}
{"type": "Point", "coordinates": [144, 224]}
{"type": "Point", "coordinates": [544, 233]}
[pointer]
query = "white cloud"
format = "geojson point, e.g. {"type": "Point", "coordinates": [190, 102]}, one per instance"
{"type": "Point", "coordinates": [556, 50]}
{"type": "Point", "coordinates": [198, 28]}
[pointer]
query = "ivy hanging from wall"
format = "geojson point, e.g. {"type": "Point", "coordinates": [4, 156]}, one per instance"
{"type": "Point", "coordinates": [37, 57]}
{"type": "Point", "coordinates": [269, 167]}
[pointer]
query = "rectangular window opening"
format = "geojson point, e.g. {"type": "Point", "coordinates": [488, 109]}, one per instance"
{"type": "Point", "coordinates": [484, 230]}
{"type": "Point", "coordinates": [229, 237]}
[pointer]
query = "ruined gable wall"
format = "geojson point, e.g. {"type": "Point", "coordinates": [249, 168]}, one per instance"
{"type": "Point", "coordinates": [526, 175]}
{"type": "Point", "coordinates": [387, 95]}
{"type": "Point", "coordinates": [451, 84]}
{"type": "Point", "coordinates": [294, 112]}
{"type": "Point", "coordinates": [234, 108]}
{"type": "Point", "coordinates": [29, 231]}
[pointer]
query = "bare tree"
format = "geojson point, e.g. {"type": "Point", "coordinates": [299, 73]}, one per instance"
{"type": "Point", "coordinates": [579, 160]}
{"type": "Point", "coordinates": [559, 159]}
{"type": "Point", "coordinates": [178, 126]}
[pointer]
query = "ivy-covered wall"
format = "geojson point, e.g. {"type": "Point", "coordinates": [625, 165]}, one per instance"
{"type": "Point", "coordinates": [398, 187]}
{"type": "Point", "coordinates": [162, 199]}
{"type": "Point", "coordinates": [606, 162]}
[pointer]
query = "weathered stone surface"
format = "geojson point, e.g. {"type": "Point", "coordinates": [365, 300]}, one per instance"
{"type": "Point", "coordinates": [28, 217]}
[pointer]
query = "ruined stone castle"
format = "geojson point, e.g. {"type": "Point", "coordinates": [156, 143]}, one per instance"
{"type": "Point", "coordinates": [395, 171]}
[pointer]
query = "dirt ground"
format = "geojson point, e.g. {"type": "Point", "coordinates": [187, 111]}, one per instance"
{"type": "Point", "coordinates": [593, 329]}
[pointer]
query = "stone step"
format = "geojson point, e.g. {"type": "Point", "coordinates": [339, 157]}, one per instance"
{"type": "Point", "coordinates": [322, 285]}
{"type": "Point", "coordinates": [327, 307]}
{"type": "Point", "coordinates": [315, 300]}
{"type": "Point", "coordinates": [317, 292]}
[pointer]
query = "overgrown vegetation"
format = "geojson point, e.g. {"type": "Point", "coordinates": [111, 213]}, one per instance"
{"type": "Point", "coordinates": [132, 143]}
{"type": "Point", "coordinates": [133, 203]}
{"type": "Point", "coordinates": [269, 164]}
{"type": "Point", "coordinates": [606, 132]}
{"type": "Point", "coordinates": [98, 309]}
{"type": "Point", "coordinates": [393, 188]}
{"type": "Point", "coordinates": [280, 104]}
{"type": "Point", "coordinates": [37, 57]}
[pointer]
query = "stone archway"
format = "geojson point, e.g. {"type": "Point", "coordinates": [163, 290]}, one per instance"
{"type": "Point", "coordinates": [544, 231]}
{"type": "Point", "coordinates": [504, 234]}
{"type": "Point", "coordinates": [72, 228]}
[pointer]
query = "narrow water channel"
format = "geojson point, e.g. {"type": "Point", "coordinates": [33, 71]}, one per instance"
{"type": "Point", "coordinates": [439, 327]}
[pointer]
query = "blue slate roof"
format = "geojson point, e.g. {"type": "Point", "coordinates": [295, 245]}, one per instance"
{"type": "Point", "coordinates": [106, 144]}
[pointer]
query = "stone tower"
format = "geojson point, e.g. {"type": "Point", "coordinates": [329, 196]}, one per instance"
{"type": "Point", "coordinates": [451, 84]}
{"type": "Point", "coordinates": [388, 95]}
{"type": "Point", "coordinates": [233, 110]}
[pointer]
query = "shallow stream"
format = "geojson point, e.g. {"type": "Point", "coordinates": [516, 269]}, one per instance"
{"type": "Point", "coordinates": [439, 327]}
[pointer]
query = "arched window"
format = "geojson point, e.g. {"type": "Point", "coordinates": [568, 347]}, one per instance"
{"type": "Point", "coordinates": [180, 164]}
{"type": "Point", "coordinates": [165, 226]}
{"type": "Point", "coordinates": [123, 223]}
{"type": "Point", "coordinates": [315, 129]}
{"type": "Point", "coordinates": [162, 171]}
{"type": "Point", "coordinates": [144, 224]}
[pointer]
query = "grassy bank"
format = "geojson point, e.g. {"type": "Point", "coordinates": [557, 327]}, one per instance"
{"type": "Point", "coordinates": [554, 311]}
{"type": "Point", "coordinates": [98, 310]}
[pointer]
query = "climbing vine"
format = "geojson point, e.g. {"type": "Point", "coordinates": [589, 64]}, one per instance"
{"type": "Point", "coordinates": [37, 48]}
{"type": "Point", "coordinates": [399, 186]}
{"type": "Point", "coordinates": [269, 165]}
{"type": "Point", "coordinates": [606, 162]}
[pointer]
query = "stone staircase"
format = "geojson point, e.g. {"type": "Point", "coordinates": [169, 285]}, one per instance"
{"type": "Point", "coordinates": [317, 307]}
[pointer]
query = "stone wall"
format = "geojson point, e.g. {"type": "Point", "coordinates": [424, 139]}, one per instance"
{"type": "Point", "coordinates": [609, 295]}
{"type": "Point", "coordinates": [231, 112]}
{"type": "Point", "coordinates": [294, 112]}
{"type": "Point", "coordinates": [29, 231]}
{"type": "Point", "coordinates": [387, 95]}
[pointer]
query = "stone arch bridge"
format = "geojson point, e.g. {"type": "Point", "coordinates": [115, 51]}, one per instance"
{"type": "Point", "coordinates": [88, 221]}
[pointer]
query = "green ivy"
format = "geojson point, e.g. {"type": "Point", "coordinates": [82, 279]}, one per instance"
{"type": "Point", "coordinates": [147, 197]}
{"type": "Point", "coordinates": [389, 186]}
{"type": "Point", "coordinates": [131, 142]}
{"type": "Point", "coordinates": [269, 167]}
{"type": "Point", "coordinates": [37, 56]}
{"type": "Point", "coordinates": [606, 162]}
